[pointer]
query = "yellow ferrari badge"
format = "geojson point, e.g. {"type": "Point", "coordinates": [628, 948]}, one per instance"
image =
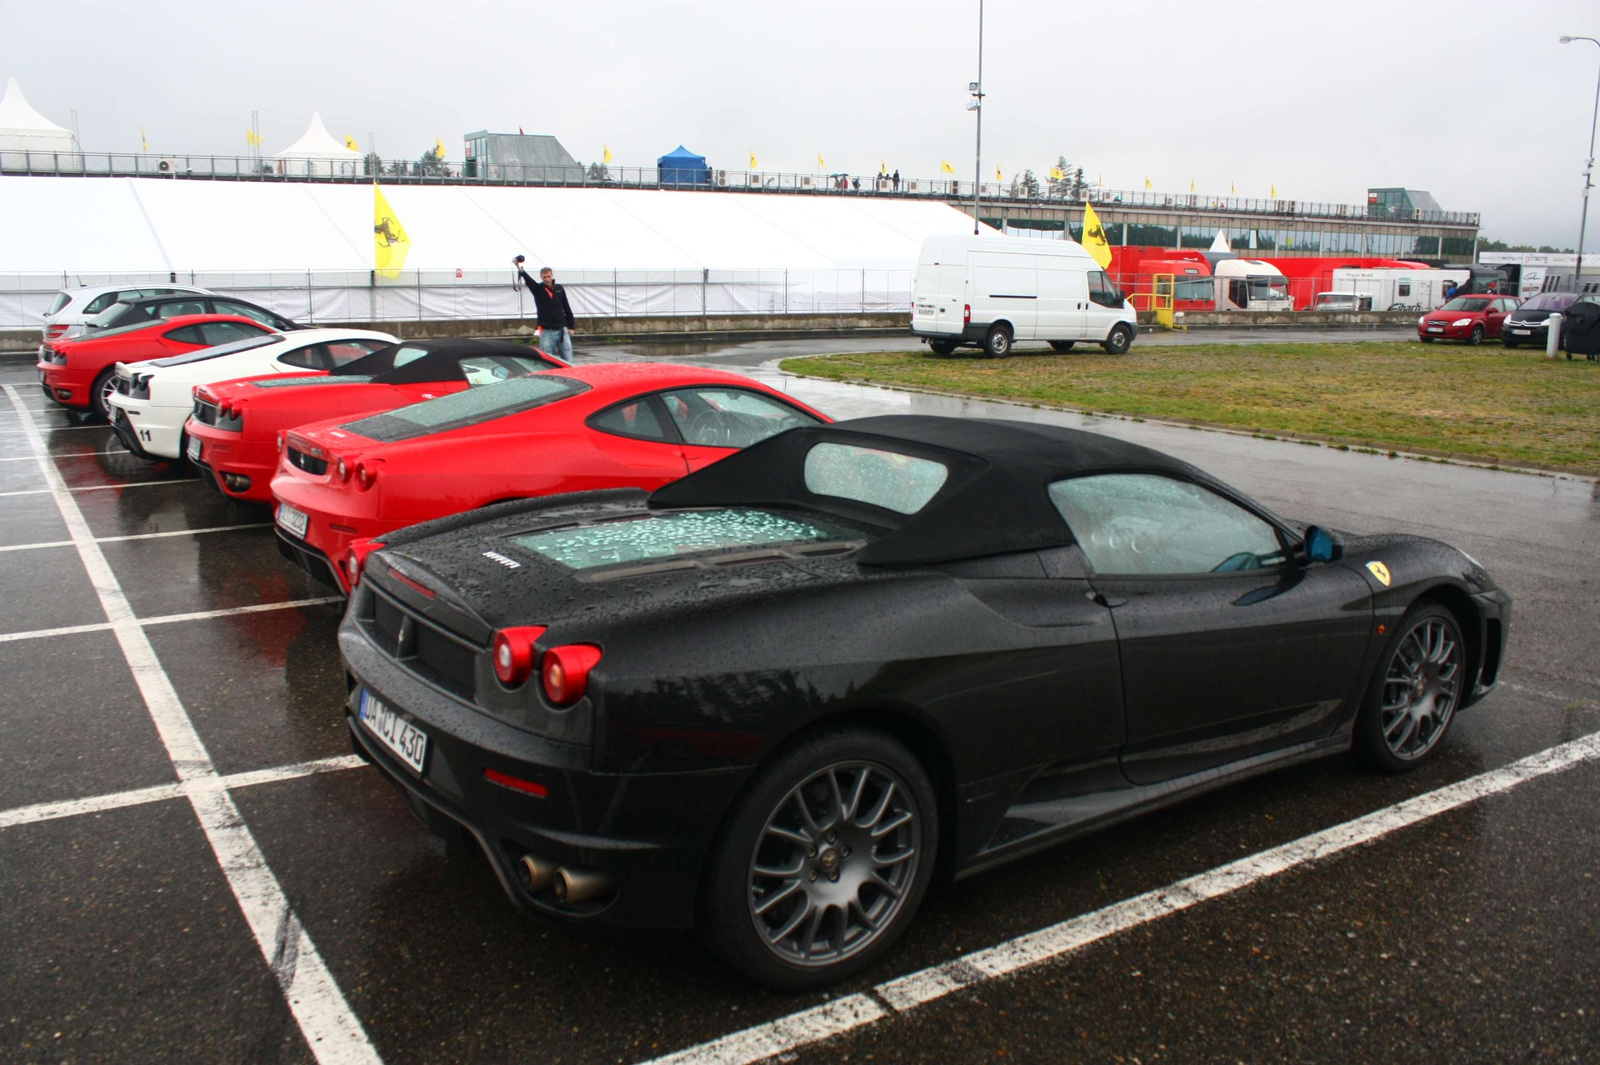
{"type": "Point", "coordinates": [1380, 571]}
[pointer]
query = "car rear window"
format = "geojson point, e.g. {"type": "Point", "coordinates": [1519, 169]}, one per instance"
{"type": "Point", "coordinates": [1550, 301]}
{"type": "Point", "coordinates": [675, 534]}
{"type": "Point", "coordinates": [461, 409]}
{"type": "Point", "coordinates": [887, 479]}
{"type": "Point", "coordinates": [61, 300]}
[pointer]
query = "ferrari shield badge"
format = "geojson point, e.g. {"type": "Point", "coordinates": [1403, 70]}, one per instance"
{"type": "Point", "coordinates": [1380, 571]}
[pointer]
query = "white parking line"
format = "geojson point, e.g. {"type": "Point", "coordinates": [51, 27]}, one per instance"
{"type": "Point", "coordinates": [50, 811]}
{"type": "Point", "coordinates": [331, 1029]}
{"type": "Point", "coordinates": [52, 429]}
{"type": "Point", "coordinates": [138, 536]}
{"type": "Point", "coordinates": [1004, 959]}
{"type": "Point", "coordinates": [93, 487]}
{"type": "Point", "coordinates": [170, 619]}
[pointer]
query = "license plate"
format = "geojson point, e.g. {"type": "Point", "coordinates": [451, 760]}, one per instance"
{"type": "Point", "coordinates": [194, 449]}
{"type": "Point", "coordinates": [293, 520]}
{"type": "Point", "coordinates": [1436, 329]}
{"type": "Point", "coordinates": [1521, 332]}
{"type": "Point", "coordinates": [409, 743]}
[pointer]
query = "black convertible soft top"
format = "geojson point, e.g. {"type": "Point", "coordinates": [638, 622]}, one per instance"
{"type": "Point", "coordinates": [995, 499]}
{"type": "Point", "coordinates": [441, 363]}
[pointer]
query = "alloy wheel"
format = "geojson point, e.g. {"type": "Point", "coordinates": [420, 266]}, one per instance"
{"type": "Point", "coordinates": [1421, 688]}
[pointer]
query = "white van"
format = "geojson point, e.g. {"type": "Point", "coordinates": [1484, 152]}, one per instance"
{"type": "Point", "coordinates": [993, 291]}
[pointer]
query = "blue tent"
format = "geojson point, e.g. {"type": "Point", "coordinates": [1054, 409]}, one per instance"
{"type": "Point", "coordinates": [683, 167]}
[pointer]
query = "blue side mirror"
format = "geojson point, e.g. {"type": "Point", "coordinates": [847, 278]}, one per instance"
{"type": "Point", "coordinates": [1321, 545]}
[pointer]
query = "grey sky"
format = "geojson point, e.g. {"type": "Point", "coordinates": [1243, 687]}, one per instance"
{"type": "Point", "coordinates": [1473, 101]}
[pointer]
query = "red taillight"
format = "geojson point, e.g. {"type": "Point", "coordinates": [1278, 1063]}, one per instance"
{"type": "Point", "coordinates": [55, 331]}
{"type": "Point", "coordinates": [966, 314]}
{"type": "Point", "coordinates": [566, 671]}
{"type": "Point", "coordinates": [365, 477]}
{"type": "Point", "coordinates": [506, 780]}
{"type": "Point", "coordinates": [280, 443]}
{"type": "Point", "coordinates": [342, 470]}
{"type": "Point", "coordinates": [513, 653]}
{"type": "Point", "coordinates": [359, 550]}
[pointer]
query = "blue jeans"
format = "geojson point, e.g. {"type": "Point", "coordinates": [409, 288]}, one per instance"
{"type": "Point", "coordinates": [557, 342]}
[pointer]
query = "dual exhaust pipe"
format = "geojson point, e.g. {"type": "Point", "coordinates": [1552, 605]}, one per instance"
{"type": "Point", "coordinates": [569, 884]}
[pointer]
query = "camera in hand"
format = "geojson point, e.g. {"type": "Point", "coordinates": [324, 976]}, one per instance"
{"type": "Point", "coordinates": [520, 259]}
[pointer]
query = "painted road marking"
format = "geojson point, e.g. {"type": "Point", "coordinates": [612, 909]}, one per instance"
{"type": "Point", "coordinates": [330, 1027]}
{"type": "Point", "coordinates": [138, 536]}
{"type": "Point", "coordinates": [172, 619]}
{"type": "Point", "coordinates": [1004, 959]}
{"type": "Point", "coordinates": [95, 487]}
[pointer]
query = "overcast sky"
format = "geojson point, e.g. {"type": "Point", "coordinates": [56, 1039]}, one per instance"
{"type": "Point", "coordinates": [1476, 102]}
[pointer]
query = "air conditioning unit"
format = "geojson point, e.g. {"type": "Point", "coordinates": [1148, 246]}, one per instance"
{"type": "Point", "coordinates": [805, 181]}
{"type": "Point", "coordinates": [722, 178]}
{"type": "Point", "coordinates": [167, 166]}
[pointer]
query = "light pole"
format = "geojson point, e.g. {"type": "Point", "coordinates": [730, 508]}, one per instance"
{"type": "Point", "coordinates": [1588, 166]}
{"type": "Point", "coordinates": [976, 104]}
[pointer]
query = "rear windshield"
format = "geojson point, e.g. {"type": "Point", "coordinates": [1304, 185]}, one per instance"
{"type": "Point", "coordinates": [202, 354]}
{"type": "Point", "coordinates": [888, 479]}
{"type": "Point", "coordinates": [462, 409]}
{"type": "Point", "coordinates": [1463, 304]}
{"type": "Point", "coordinates": [61, 300]}
{"type": "Point", "coordinates": [1550, 301]}
{"type": "Point", "coordinates": [674, 534]}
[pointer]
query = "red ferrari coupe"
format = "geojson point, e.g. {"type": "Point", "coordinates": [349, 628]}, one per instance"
{"type": "Point", "coordinates": [236, 424]}
{"type": "Point", "coordinates": [79, 373]}
{"type": "Point", "coordinates": [606, 425]}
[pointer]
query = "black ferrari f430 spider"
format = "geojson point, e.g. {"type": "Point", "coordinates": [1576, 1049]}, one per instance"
{"type": "Point", "coordinates": [773, 698]}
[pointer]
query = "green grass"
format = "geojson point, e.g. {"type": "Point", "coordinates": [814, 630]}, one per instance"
{"type": "Point", "coordinates": [1489, 403]}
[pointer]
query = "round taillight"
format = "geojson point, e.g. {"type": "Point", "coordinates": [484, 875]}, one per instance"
{"type": "Point", "coordinates": [512, 651]}
{"type": "Point", "coordinates": [365, 477]}
{"type": "Point", "coordinates": [343, 471]}
{"type": "Point", "coordinates": [352, 568]}
{"type": "Point", "coordinates": [566, 672]}
{"type": "Point", "coordinates": [280, 443]}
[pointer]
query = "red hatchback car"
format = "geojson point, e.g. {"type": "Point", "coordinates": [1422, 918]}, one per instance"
{"type": "Point", "coordinates": [606, 425]}
{"type": "Point", "coordinates": [1469, 318]}
{"type": "Point", "coordinates": [80, 373]}
{"type": "Point", "coordinates": [236, 424]}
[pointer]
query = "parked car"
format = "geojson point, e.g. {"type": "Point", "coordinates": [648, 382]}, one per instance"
{"type": "Point", "coordinates": [770, 698]}
{"type": "Point", "coordinates": [235, 425]}
{"type": "Point", "coordinates": [80, 373]}
{"type": "Point", "coordinates": [607, 425]}
{"type": "Point", "coordinates": [131, 312]}
{"type": "Point", "coordinates": [1530, 322]}
{"type": "Point", "coordinates": [152, 400]}
{"type": "Point", "coordinates": [1469, 318]}
{"type": "Point", "coordinates": [72, 308]}
{"type": "Point", "coordinates": [1341, 302]}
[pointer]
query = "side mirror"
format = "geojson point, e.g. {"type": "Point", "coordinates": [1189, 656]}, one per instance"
{"type": "Point", "coordinates": [1322, 546]}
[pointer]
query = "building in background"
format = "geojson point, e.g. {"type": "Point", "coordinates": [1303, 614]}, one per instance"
{"type": "Point", "coordinates": [520, 158]}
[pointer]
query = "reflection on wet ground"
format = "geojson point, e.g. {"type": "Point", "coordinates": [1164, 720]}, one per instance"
{"type": "Point", "coordinates": [1471, 936]}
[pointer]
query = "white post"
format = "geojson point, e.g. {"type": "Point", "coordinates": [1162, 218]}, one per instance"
{"type": "Point", "coordinates": [1552, 343]}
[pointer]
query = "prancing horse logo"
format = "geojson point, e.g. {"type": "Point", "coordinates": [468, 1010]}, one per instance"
{"type": "Point", "coordinates": [1380, 571]}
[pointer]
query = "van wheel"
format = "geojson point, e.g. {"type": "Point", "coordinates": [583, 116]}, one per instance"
{"type": "Point", "coordinates": [1118, 341]}
{"type": "Point", "coordinates": [998, 342]}
{"type": "Point", "coordinates": [1062, 346]}
{"type": "Point", "coordinates": [942, 348]}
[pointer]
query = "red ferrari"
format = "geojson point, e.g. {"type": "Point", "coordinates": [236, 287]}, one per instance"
{"type": "Point", "coordinates": [237, 423]}
{"type": "Point", "coordinates": [560, 430]}
{"type": "Point", "coordinates": [607, 425]}
{"type": "Point", "coordinates": [79, 373]}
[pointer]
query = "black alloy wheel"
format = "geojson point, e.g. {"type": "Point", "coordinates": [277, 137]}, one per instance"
{"type": "Point", "coordinates": [998, 343]}
{"type": "Point", "coordinates": [1414, 692]}
{"type": "Point", "coordinates": [1118, 340]}
{"type": "Point", "coordinates": [1477, 336]}
{"type": "Point", "coordinates": [1062, 346]}
{"type": "Point", "coordinates": [824, 861]}
{"type": "Point", "coordinates": [100, 392]}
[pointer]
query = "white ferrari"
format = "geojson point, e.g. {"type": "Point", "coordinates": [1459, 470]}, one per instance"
{"type": "Point", "coordinates": [153, 399]}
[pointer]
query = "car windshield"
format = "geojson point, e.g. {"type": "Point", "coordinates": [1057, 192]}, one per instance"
{"type": "Point", "coordinates": [1550, 301]}
{"type": "Point", "coordinates": [901, 483]}
{"type": "Point", "coordinates": [1462, 304]}
{"type": "Point", "coordinates": [202, 354]}
{"type": "Point", "coordinates": [675, 534]}
{"type": "Point", "coordinates": [461, 409]}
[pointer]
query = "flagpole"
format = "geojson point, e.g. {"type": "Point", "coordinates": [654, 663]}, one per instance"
{"type": "Point", "coordinates": [977, 91]}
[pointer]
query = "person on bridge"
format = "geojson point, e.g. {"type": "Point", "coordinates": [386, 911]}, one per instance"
{"type": "Point", "coordinates": [556, 324]}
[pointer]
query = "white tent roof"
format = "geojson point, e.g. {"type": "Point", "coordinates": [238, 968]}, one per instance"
{"type": "Point", "coordinates": [317, 143]}
{"type": "Point", "coordinates": [23, 129]}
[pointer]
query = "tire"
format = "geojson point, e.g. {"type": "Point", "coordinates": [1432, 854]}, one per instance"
{"type": "Point", "coordinates": [1062, 346]}
{"type": "Point", "coordinates": [1477, 336]}
{"type": "Point", "coordinates": [1512, 343]}
{"type": "Point", "coordinates": [1427, 648]}
{"type": "Point", "coordinates": [1118, 340]}
{"type": "Point", "coordinates": [998, 343]}
{"type": "Point", "coordinates": [942, 348]}
{"type": "Point", "coordinates": [98, 392]}
{"type": "Point", "coordinates": [802, 794]}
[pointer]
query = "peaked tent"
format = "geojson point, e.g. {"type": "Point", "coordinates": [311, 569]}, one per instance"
{"type": "Point", "coordinates": [22, 129]}
{"type": "Point", "coordinates": [683, 167]}
{"type": "Point", "coordinates": [317, 154]}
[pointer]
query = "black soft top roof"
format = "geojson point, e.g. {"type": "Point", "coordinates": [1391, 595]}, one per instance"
{"type": "Point", "coordinates": [441, 363]}
{"type": "Point", "coordinates": [995, 499]}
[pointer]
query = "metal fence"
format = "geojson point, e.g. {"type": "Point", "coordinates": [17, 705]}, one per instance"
{"type": "Point", "coordinates": [472, 172]}
{"type": "Point", "coordinates": [330, 296]}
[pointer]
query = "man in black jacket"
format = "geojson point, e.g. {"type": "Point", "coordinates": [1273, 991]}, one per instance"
{"type": "Point", "coordinates": [556, 324]}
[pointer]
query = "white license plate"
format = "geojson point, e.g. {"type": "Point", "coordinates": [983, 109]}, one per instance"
{"type": "Point", "coordinates": [1521, 332]}
{"type": "Point", "coordinates": [293, 520]}
{"type": "Point", "coordinates": [194, 449]}
{"type": "Point", "coordinates": [409, 743]}
{"type": "Point", "coordinates": [1436, 329]}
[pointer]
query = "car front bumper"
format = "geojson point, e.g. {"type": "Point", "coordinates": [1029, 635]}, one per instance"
{"type": "Point", "coordinates": [1449, 332]}
{"type": "Point", "coordinates": [648, 832]}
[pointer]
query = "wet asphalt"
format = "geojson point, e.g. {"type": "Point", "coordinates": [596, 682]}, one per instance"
{"type": "Point", "coordinates": [1472, 936]}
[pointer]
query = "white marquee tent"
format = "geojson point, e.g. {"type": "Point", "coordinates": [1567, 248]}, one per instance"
{"type": "Point", "coordinates": [22, 129]}
{"type": "Point", "coordinates": [316, 153]}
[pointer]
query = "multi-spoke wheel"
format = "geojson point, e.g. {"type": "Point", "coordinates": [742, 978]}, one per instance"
{"type": "Point", "coordinates": [1415, 691]}
{"type": "Point", "coordinates": [824, 862]}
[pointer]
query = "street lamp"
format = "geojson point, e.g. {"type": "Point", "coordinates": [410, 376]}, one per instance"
{"type": "Point", "coordinates": [1588, 167]}
{"type": "Point", "coordinates": [976, 104]}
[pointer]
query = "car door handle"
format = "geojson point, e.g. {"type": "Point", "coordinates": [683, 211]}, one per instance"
{"type": "Point", "coordinates": [1104, 600]}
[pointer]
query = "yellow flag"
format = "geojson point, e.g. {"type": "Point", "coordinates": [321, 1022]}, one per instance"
{"type": "Point", "coordinates": [143, 140]}
{"type": "Point", "coordinates": [1057, 174]}
{"type": "Point", "coordinates": [883, 167]}
{"type": "Point", "coordinates": [753, 164]}
{"type": "Point", "coordinates": [1274, 191]}
{"type": "Point", "coordinates": [1147, 182]}
{"type": "Point", "coordinates": [1191, 184]}
{"type": "Point", "coordinates": [605, 153]}
{"type": "Point", "coordinates": [1232, 191]}
{"type": "Point", "coordinates": [390, 242]}
{"type": "Point", "coordinates": [997, 176]}
{"type": "Point", "coordinates": [251, 137]}
{"type": "Point", "coordinates": [944, 166]}
{"type": "Point", "coordinates": [1094, 237]}
{"type": "Point", "coordinates": [350, 142]}
{"type": "Point", "coordinates": [821, 163]}
{"type": "Point", "coordinates": [438, 148]}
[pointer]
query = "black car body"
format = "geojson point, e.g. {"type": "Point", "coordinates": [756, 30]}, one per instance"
{"type": "Point", "coordinates": [1530, 322]}
{"type": "Point", "coordinates": [155, 308]}
{"type": "Point", "coordinates": [956, 614]}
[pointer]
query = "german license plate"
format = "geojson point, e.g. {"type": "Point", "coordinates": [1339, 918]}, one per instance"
{"type": "Point", "coordinates": [409, 743]}
{"type": "Point", "coordinates": [293, 520]}
{"type": "Point", "coordinates": [1521, 332]}
{"type": "Point", "coordinates": [194, 449]}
